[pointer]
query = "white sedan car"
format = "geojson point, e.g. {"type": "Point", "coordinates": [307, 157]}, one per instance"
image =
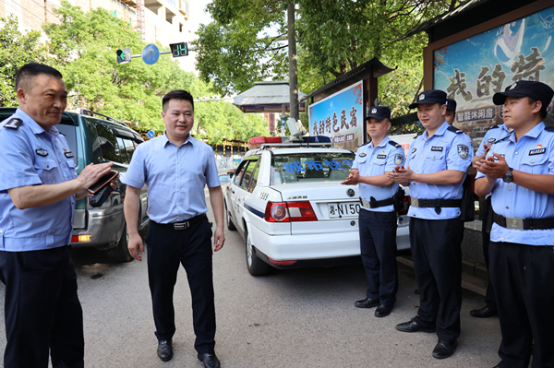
{"type": "Point", "coordinates": [287, 202]}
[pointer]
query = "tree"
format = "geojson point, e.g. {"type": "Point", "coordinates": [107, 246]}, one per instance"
{"type": "Point", "coordinates": [16, 50]}
{"type": "Point", "coordinates": [333, 37]}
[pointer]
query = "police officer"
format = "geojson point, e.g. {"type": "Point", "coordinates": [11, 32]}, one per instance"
{"type": "Point", "coordinates": [451, 106]}
{"type": "Point", "coordinates": [176, 167]}
{"type": "Point", "coordinates": [378, 219]}
{"type": "Point", "coordinates": [38, 189]}
{"type": "Point", "coordinates": [436, 167]}
{"type": "Point", "coordinates": [518, 171]}
{"type": "Point", "coordinates": [494, 134]}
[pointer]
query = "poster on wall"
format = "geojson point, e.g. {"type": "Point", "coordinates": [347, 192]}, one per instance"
{"type": "Point", "coordinates": [472, 70]}
{"type": "Point", "coordinates": [339, 117]}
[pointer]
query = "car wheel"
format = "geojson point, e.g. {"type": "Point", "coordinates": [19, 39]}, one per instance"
{"type": "Point", "coordinates": [230, 224]}
{"type": "Point", "coordinates": [255, 265]}
{"type": "Point", "coordinates": [120, 253]}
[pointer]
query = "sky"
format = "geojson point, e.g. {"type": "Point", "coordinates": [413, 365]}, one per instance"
{"type": "Point", "coordinates": [197, 16]}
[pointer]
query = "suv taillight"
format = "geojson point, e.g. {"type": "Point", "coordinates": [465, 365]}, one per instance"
{"type": "Point", "coordinates": [289, 212]}
{"type": "Point", "coordinates": [406, 205]}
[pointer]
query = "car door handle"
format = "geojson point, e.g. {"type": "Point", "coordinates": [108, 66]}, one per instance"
{"type": "Point", "coordinates": [232, 191]}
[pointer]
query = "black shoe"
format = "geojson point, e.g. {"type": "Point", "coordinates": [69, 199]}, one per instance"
{"type": "Point", "coordinates": [483, 312]}
{"type": "Point", "coordinates": [444, 349]}
{"type": "Point", "coordinates": [165, 351]}
{"type": "Point", "coordinates": [383, 310]}
{"type": "Point", "coordinates": [209, 360]}
{"type": "Point", "coordinates": [367, 303]}
{"type": "Point", "coordinates": [417, 291]}
{"type": "Point", "coordinates": [413, 326]}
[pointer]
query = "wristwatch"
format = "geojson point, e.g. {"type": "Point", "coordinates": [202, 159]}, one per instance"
{"type": "Point", "coordinates": [508, 177]}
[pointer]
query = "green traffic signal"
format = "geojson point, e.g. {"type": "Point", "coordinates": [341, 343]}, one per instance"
{"type": "Point", "coordinates": [123, 56]}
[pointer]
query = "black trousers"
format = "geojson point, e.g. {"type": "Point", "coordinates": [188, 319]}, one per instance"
{"type": "Point", "coordinates": [522, 276]}
{"type": "Point", "coordinates": [192, 247]}
{"type": "Point", "coordinates": [378, 231]}
{"type": "Point", "coordinates": [42, 311]}
{"type": "Point", "coordinates": [436, 251]}
{"type": "Point", "coordinates": [487, 222]}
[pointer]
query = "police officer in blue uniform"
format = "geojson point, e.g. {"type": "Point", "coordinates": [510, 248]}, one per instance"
{"type": "Point", "coordinates": [451, 109]}
{"type": "Point", "coordinates": [176, 167]}
{"type": "Point", "coordinates": [436, 167]}
{"type": "Point", "coordinates": [38, 189]}
{"type": "Point", "coordinates": [377, 218]}
{"type": "Point", "coordinates": [518, 172]}
{"type": "Point", "coordinates": [494, 134]}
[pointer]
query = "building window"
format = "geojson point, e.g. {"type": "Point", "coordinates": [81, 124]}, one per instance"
{"type": "Point", "coordinates": [180, 27]}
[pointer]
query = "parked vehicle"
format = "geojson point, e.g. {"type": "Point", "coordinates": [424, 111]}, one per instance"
{"type": "Point", "coordinates": [287, 202]}
{"type": "Point", "coordinates": [96, 138]}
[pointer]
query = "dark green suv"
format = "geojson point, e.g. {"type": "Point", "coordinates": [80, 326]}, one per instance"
{"type": "Point", "coordinates": [96, 138]}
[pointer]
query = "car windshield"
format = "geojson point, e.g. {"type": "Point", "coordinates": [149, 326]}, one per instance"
{"type": "Point", "coordinates": [311, 166]}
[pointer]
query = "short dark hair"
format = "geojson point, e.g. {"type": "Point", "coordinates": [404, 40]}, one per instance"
{"type": "Point", "coordinates": [31, 70]}
{"type": "Point", "coordinates": [177, 94]}
{"type": "Point", "coordinates": [543, 110]}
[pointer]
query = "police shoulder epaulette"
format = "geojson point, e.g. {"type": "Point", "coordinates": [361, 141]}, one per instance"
{"type": "Point", "coordinates": [549, 129]}
{"type": "Point", "coordinates": [365, 144]}
{"type": "Point", "coordinates": [394, 144]}
{"type": "Point", "coordinates": [455, 130]}
{"type": "Point", "coordinates": [502, 139]}
{"type": "Point", "coordinates": [494, 127]}
{"type": "Point", "coordinates": [13, 123]}
{"type": "Point", "coordinates": [418, 134]}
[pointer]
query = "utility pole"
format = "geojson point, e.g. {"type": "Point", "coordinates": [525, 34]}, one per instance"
{"type": "Point", "coordinates": [293, 88]}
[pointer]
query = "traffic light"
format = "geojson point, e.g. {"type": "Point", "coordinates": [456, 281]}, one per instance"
{"type": "Point", "coordinates": [179, 49]}
{"type": "Point", "coordinates": [124, 56]}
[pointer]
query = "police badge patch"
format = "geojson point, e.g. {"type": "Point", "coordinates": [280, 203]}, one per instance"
{"type": "Point", "coordinates": [421, 97]}
{"type": "Point", "coordinates": [399, 159]}
{"type": "Point", "coordinates": [462, 150]}
{"type": "Point", "coordinates": [374, 110]}
{"type": "Point", "coordinates": [42, 152]}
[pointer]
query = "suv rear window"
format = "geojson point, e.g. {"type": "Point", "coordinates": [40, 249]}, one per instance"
{"type": "Point", "coordinates": [311, 166]}
{"type": "Point", "coordinates": [70, 134]}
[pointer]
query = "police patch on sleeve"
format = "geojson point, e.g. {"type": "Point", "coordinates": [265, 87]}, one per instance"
{"type": "Point", "coordinates": [399, 158]}
{"type": "Point", "coordinates": [13, 123]}
{"type": "Point", "coordinates": [42, 152]}
{"type": "Point", "coordinates": [462, 150]}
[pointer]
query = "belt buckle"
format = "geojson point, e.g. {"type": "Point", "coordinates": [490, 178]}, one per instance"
{"type": "Point", "coordinates": [414, 201]}
{"type": "Point", "coordinates": [514, 223]}
{"type": "Point", "coordinates": [181, 225]}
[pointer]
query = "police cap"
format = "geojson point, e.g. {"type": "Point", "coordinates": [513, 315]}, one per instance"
{"type": "Point", "coordinates": [378, 113]}
{"type": "Point", "coordinates": [430, 97]}
{"type": "Point", "coordinates": [451, 104]}
{"type": "Point", "coordinates": [536, 90]}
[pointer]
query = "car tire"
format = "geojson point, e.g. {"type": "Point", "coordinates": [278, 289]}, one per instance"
{"type": "Point", "coordinates": [120, 253]}
{"type": "Point", "coordinates": [230, 224]}
{"type": "Point", "coordinates": [255, 265]}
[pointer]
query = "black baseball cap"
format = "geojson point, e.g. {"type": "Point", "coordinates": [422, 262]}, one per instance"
{"type": "Point", "coordinates": [537, 90]}
{"type": "Point", "coordinates": [451, 104]}
{"type": "Point", "coordinates": [378, 113]}
{"type": "Point", "coordinates": [431, 96]}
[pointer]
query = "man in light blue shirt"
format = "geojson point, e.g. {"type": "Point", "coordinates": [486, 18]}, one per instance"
{"type": "Point", "coordinates": [436, 167]}
{"type": "Point", "coordinates": [176, 167]}
{"type": "Point", "coordinates": [494, 134]}
{"type": "Point", "coordinates": [38, 189]}
{"type": "Point", "coordinates": [377, 217]}
{"type": "Point", "coordinates": [518, 172]}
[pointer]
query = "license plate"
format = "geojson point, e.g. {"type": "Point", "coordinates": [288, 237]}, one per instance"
{"type": "Point", "coordinates": [343, 209]}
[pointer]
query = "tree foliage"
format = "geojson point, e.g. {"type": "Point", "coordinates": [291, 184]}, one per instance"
{"type": "Point", "coordinates": [16, 49]}
{"type": "Point", "coordinates": [333, 37]}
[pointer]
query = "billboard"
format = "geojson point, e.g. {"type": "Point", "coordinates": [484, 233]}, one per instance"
{"type": "Point", "coordinates": [340, 117]}
{"type": "Point", "coordinates": [472, 70]}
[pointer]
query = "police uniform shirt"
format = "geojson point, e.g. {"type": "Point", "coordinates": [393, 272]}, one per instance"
{"type": "Point", "coordinates": [447, 149]}
{"type": "Point", "coordinates": [33, 156]}
{"type": "Point", "coordinates": [533, 153]}
{"type": "Point", "coordinates": [372, 161]}
{"type": "Point", "coordinates": [175, 176]}
{"type": "Point", "coordinates": [493, 134]}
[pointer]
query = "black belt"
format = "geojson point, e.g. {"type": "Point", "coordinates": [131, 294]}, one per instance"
{"type": "Point", "coordinates": [419, 202]}
{"type": "Point", "coordinates": [375, 204]}
{"type": "Point", "coordinates": [182, 225]}
{"type": "Point", "coordinates": [523, 224]}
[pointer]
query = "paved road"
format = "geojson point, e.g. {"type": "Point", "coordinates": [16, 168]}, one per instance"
{"type": "Point", "coordinates": [295, 318]}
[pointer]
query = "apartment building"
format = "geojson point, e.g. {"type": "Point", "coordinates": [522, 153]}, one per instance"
{"type": "Point", "coordinates": [165, 21]}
